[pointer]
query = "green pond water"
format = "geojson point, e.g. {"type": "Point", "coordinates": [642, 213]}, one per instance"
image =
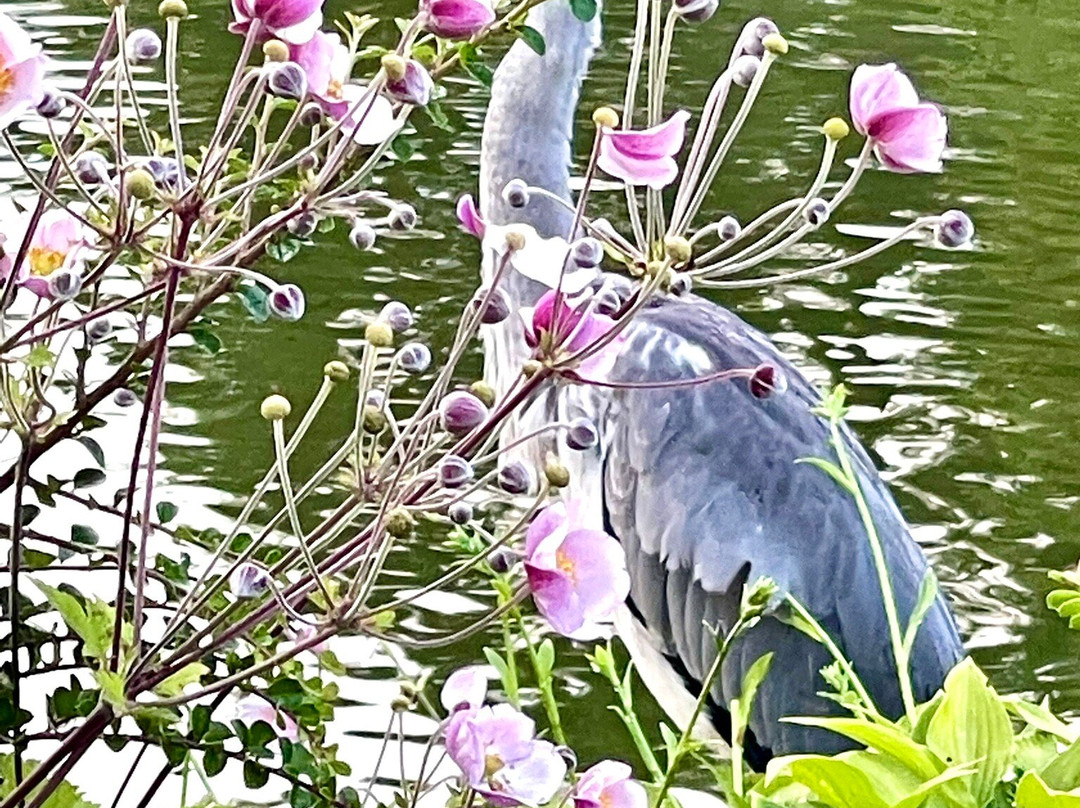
{"type": "Point", "coordinates": [964, 366]}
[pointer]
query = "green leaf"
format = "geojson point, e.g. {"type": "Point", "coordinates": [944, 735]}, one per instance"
{"type": "Point", "coordinates": [533, 38]}
{"type": "Point", "coordinates": [214, 760]}
{"type": "Point", "coordinates": [88, 478]}
{"type": "Point", "coordinates": [972, 727]}
{"type": "Point", "coordinates": [256, 301]}
{"type": "Point", "coordinates": [65, 795]}
{"type": "Point", "coordinates": [94, 448]}
{"type": "Point", "coordinates": [1040, 717]}
{"type": "Point", "coordinates": [200, 721]}
{"type": "Point", "coordinates": [741, 706]}
{"type": "Point", "coordinates": [206, 339]}
{"type": "Point", "coordinates": [584, 10]}
{"type": "Point", "coordinates": [884, 738]}
{"type": "Point", "coordinates": [39, 357]}
{"type": "Point", "coordinates": [81, 534]}
{"type": "Point", "coordinates": [174, 685]}
{"type": "Point", "coordinates": [496, 661]}
{"type": "Point", "coordinates": [28, 513]}
{"type": "Point", "coordinates": [403, 149]}
{"type": "Point", "coordinates": [829, 468]}
{"type": "Point", "coordinates": [545, 659]}
{"type": "Point", "coordinates": [112, 689]}
{"type": "Point", "coordinates": [928, 589]}
{"type": "Point", "coordinates": [166, 512]}
{"type": "Point", "coordinates": [1063, 772]}
{"type": "Point", "coordinates": [438, 117]}
{"type": "Point", "coordinates": [255, 774]}
{"type": "Point", "coordinates": [1032, 792]}
{"type": "Point", "coordinates": [285, 249]}
{"type": "Point", "coordinates": [839, 782]}
{"type": "Point", "coordinates": [95, 632]}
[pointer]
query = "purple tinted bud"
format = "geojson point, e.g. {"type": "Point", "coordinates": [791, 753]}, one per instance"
{"type": "Point", "coordinates": [460, 513]}
{"type": "Point", "coordinates": [581, 434]}
{"type": "Point", "coordinates": [515, 478]}
{"type": "Point", "coordinates": [375, 398]}
{"type": "Point", "coordinates": [414, 88]}
{"type": "Point", "coordinates": [766, 380]}
{"type": "Point", "coordinates": [502, 560]}
{"type": "Point", "coordinates": [91, 168]}
{"type": "Point", "coordinates": [124, 398]}
{"type": "Point", "coordinates": [397, 315]}
{"type": "Point", "coordinates": [681, 284]}
{"type": "Point", "coordinates": [287, 80]}
{"type": "Point", "coordinates": [607, 302]}
{"type": "Point", "coordinates": [414, 357]}
{"type": "Point", "coordinates": [64, 284]}
{"type": "Point", "coordinates": [744, 69]}
{"type": "Point", "coordinates": [52, 103]}
{"type": "Point", "coordinates": [697, 10]}
{"type": "Point", "coordinates": [402, 217]}
{"type": "Point", "coordinates": [728, 228]}
{"type": "Point", "coordinates": [587, 252]}
{"type": "Point", "coordinates": [165, 171]}
{"type": "Point", "coordinates": [99, 329]}
{"type": "Point", "coordinates": [516, 193]}
{"type": "Point", "coordinates": [817, 212]}
{"type": "Point", "coordinates": [565, 752]}
{"type": "Point", "coordinates": [287, 302]}
{"type": "Point", "coordinates": [248, 580]}
{"type": "Point", "coordinates": [461, 412]}
{"type": "Point", "coordinates": [142, 45]}
{"type": "Point", "coordinates": [497, 308]}
{"type": "Point", "coordinates": [752, 34]}
{"type": "Point", "coordinates": [954, 229]}
{"type": "Point", "coordinates": [362, 236]}
{"type": "Point", "coordinates": [310, 115]}
{"type": "Point", "coordinates": [455, 471]}
{"type": "Point", "coordinates": [303, 224]}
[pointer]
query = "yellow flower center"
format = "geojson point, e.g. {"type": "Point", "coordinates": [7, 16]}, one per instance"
{"type": "Point", "coordinates": [43, 261]}
{"type": "Point", "coordinates": [492, 765]}
{"type": "Point", "coordinates": [7, 80]}
{"type": "Point", "coordinates": [566, 564]}
{"type": "Point", "coordinates": [333, 89]}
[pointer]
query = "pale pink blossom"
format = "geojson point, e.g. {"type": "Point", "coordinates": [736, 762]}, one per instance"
{"type": "Point", "coordinates": [255, 708]}
{"type": "Point", "coordinates": [645, 156]}
{"type": "Point", "coordinates": [575, 329]}
{"type": "Point", "coordinates": [609, 784]}
{"type": "Point", "coordinates": [577, 575]}
{"type": "Point", "coordinates": [908, 134]}
{"type": "Point", "coordinates": [58, 244]}
{"type": "Point", "coordinates": [292, 21]}
{"type": "Point", "coordinates": [464, 688]}
{"type": "Point", "coordinates": [456, 19]}
{"type": "Point", "coordinates": [22, 71]}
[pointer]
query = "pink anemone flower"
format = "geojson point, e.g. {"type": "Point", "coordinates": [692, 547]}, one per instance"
{"type": "Point", "coordinates": [578, 327]}
{"type": "Point", "coordinates": [255, 708]}
{"type": "Point", "coordinates": [578, 576]}
{"type": "Point", "coordinates": [292, 21]}
{"type": "Point", "coordinates": [469, 216]}
{"type": "Point", "coordinates": [609, 784]}
{"type": "Point", "coordinates": [58, 243]}
{"type": "Point", "coordinates": [646, 156]}
{"type": "Point", "coordinates": [908, 134]}
{"type": "Point", "coordinates": [456, 19]}
{"type": "Point", "coordinates": [22, 71]}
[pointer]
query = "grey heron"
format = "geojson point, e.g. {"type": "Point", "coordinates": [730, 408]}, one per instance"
{"type": "Point", "coordinates": [700, 483]}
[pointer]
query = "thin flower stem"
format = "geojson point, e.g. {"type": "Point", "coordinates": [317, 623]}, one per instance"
{"type": "Point", "coordinates": [544, 682]}
{"type": "Point", "coordinates": [172, 88]}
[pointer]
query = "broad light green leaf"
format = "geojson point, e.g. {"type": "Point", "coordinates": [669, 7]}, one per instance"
{"type": "Point", "coordinates": [1032, 792]}
{"type": "Point", "coordinates": [94, 631]}
{"type": "Point", "coordinates": [64, 796]}
{"type": "Point", "coordinates": [886, 739]}
{"type": "Point", "coordinates": [838, 781]}
{"type": "Point", "coordinates": [175, 684]}
{"type": "Point", "coordinates": [1063, 772]}
{"type": "Point", "coordinates": [112, 689]}
{"type": "Point", "coordinates": [741, 707]}
{"type": "Point", "coordinates": [1041, 717]}
{"type": "Point", "coordinates": [972, 727]}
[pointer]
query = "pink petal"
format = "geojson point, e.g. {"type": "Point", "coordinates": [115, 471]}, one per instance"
{"type": "Point", "coordinates": [663, 140]}
{"type": "Point", "coordinates": [466, 686]}
{"type": "Point", "coordinates": [656, 173]}
{"type": "Point", "coordinates": [457, 19]}
{"type": "Point", "coordinates": [470, 217]}
{"type": "Point", "coordinates": [531, 780]}
{"type": "Point", "coordinates": [910, 139]}
{"type": "Point", "coordinates": [876, 89]}
{"type": "Point", "coordinates": [302, 31]}
{"type": "Point", "coordinates": [553, 518]}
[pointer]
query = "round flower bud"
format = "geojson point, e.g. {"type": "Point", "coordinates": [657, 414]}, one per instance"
{"type": "Point", "coordinates": [140, 184]}
{"type": "Point", "coordinates": [681, 284]}
{"type": "Point", "coordinates": [311, 114]}
{"type": "Point", "coordinates": [287, 302]}
{"type": "Point", "coordinates": [515, 240]}
{"type": "Point", "coordinates": [516, 193]}
{"type": "Point", "coordinates": [605, 117]}
{"type": "Point", "coordinates": [374, 419]}
{"type": "Point", "coordinates": [99, 329]}
{"type": "Point", "coordinates": [460, 513]}
{"type": "Point", "coordinates": [752, 36]}
{"type": "Point", "coordinates": [581, 434]}
{"type": "Point", "coordinates": [336, 371]}
{"type": "Point", "coordinates": [275, 50]}
{"type": "Point", "coordinates": [379, 334]}
{"type": "Point", "coordinates": [362, 236]}
{"type": "Point", "coordinates": [558, 475]}
{"type": "Point", "coordinates": [678, 249]}
{"type": "Point", "coordinates": [394, 65]}
{"type": "Point", "coordinates": [728, 228]}
{"type": "Point", "coordinates": [397, 315]}
{"type": "Point", "coordinates": [775, 44]}
{"type": "Point", "coordinates": [275, 408]}
{"type": "Point", "coordinates": [402, 217]}
{"type": "Point", "coordinates": [64, 284]}
{"type": "Point", "coordinates": [817, 212]}
{"type": "Point", "coordinates": [124, 397]}
{"type": "Point", "coordinates": [375, 398]}
{"type": "Point", "coordinates": [607, 302]}
{"type": "Point", "coordinates": [515, 478]}
{"type": "Point", "coordinates": [91, 168]}
{"type": "Point", "coordinates": [303, 224]}
{"type": "Point", "coordinates": [696, 10]}
{"type": "Point", "coordinates": [454, 471]}
{"type": "Point", "coordinates": [587, 252]}
{"type": "Point", "coordinates": [142, 45]}
{"type": "Point", "coordinates": [287, 80]}
{"type": "Point", "coordinates": [530, 367]}
{"type": "Point", "coordinates": [483, 391]}
{"type": "Point", "coordinates": [401, 704]}
{"type": "Point", "coordinates": [461, 412]}
{"type": "Point", "coordinates": [414, 357]}
{"type": "Point", "coordinates": [766, 380]}
{"type": "Point", "coordinates": [51, 104]}
{"type": "Point", "coordinates": [308, 162]}
{"type": "Point", "coordinates": [497, 307]}
{"type": "Point", "coordinates": [502, 560]}
{"type": "Point", "coordinates": [836, 129]}
{"type": "Point", "coordinates": [568, 755]}
{"type": "Point", "coordinates": [744, 69]}
{"type": "Point", "coordinates": [400, 523]}
{"type": "Point", "coordinates": [954, 229]}
{"type": "Point", "coordinates": [248, 580]}
{"type": "Point", "coordinates": [413, 86]}
{"type": "Point", "coordinates": [172, 8]}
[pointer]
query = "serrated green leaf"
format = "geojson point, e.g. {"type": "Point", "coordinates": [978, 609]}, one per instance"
{"type": "Point", "coordinates": [39, 357]}
{"type": "Point", "coordinates": [94, 633]}
{"type": "Point", "coordinates": [174, 685]}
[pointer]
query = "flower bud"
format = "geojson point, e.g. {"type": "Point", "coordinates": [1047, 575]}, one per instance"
{"type": "Point", "coordinates": [530, 367]}
{"type": "Point", "coordinates": [502, 560]}
{"type": "Point", "coordinates": [362, 236]}
{"type": "Point", "coordinates": [64, 284]}
{"type": "Point", "coordinates": [607, 302]}
{"type": "Point", "coordinates": [275, 408]}
{"type": "Point", "coordinates": [140, 184]}
{"type": "Point", "coordinates": [413, 86]}
{"type": "Point", "coordinates": [483, 391]}
{"type": "Point", "coordinates": [99, 329]}
{"type": "Point", "coordinates": [744, 69]}
{"type": "Point", "coordinates": [311, 114]}
{"type": "Point", "coordinates": [414, 357]}
{"type": "Point", "coordinates": [248, 580]}
{"type": "Point", "coordinates": [581, 434]}
{"type": "Point", "coordinates": [397, 315]}
{"type": "Point", "coordinates": [165, 171]}
{"type": "Point", "coordinates": [817, 212]}
{"type": "Point", "coordinates": [836, 129]}
{"type": "Point", "coordinates": [401, 704]}
{"type": "Point", "coordinates": [455, 471]}
{"type": "Point", "coordinates": [402, 217]}
{"type": "Point", "coordinates": [458, 20]}
{"type": "Point", "coordinates": [766, 380]}
{"type": "Point", "coordinates": [605, 117]}
{"type": "Point", "coordinates": [375, 398]}
{"type": "Point", "coordinates": [394, 65]}
{"type": "Point", "coordinates": [400, 523]}
{"type": "Point", "coordinates": [678, 249]}
{"type": "Point", "coordinates": [752, 36]}
{"type": "Point", "coordinates": [373, 419]}
{"type": "Point", "coordinates": [287, 302]}
{"type": "Point", "coordinates": [172, 8]}
{"type": "Point", "coordinates": [497, 307]}
{"type": "Point", "coordinates": [461, 412]}
{"type": "Point", "coordinates": [515, 478]}
{"type": "Point", "coordinates": [91, 168]}
{"type": "Point", "coordinates": [379, 334]}
{"type": "Point", "coordinates": [124, 397]}
{"type": "Point", "coordinates": [729, 228]}
{"type": "Point", "coordinates": [51, 104]}
{"type": "Point", "coordinates": [587, 252]}
{"type": "Point", "coordinates": [558, 475]}
{"type": "Point", "coordinates": [568, 755]}
{"type": "Point", "coordinates": [681, 284]}
{"type": "Point", "coordinates": [287, 80]}
{"type": "Point", "coordinates": [515, 240]}
{"type": "Point", "coordinates": [142, 45]}
{"type": "Point", "coordinates": [336, 371]}
{"type": "Point", "coordinates": [275, 50]}
{"type": "Point", "coordinates": [303, 224]}
{"type": "Point", "coordinates": [696, 10]}
{"type": "Point", "coordinates": [954, 229]}
{"type": "Point", "coordinates": [775, 44]}
{"type": "Point", "coordinates": [516, 193]}
{"type": "Point", "coordinates": [460, 513]}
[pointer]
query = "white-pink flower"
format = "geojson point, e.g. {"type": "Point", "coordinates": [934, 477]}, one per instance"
{"type": "Point", "coordinates": [908, 134]}
{"type": "Point", "coordinates": [645, 156]}
{"type": "Point", "coordinates": [609, 784]}
{"type": "Point", "coordinates": [255, 708]}
{"type": "Point", "coordinates": [57, 246]}
{"type": "Point", "coordinates": [293, 21]}
{"type": "Point", "coordinates": [22, 71]}
{"type": "Point", "coordinates": [464, 688]}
